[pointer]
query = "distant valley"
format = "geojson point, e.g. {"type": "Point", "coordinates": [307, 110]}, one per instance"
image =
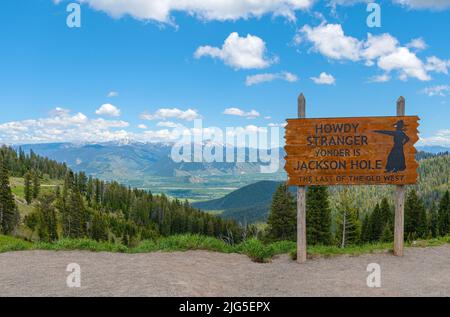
{"type": "Point", "coordinates": [150, 166]}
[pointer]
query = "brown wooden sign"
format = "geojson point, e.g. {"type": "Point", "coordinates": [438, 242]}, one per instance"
{"type": "Point", "coordinates": [352, 151]}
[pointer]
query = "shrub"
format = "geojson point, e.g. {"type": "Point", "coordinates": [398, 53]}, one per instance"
{"type": "Point", "coordinates": [256, 250]}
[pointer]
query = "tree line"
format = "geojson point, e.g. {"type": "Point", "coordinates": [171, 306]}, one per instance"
{"type": "Point", "coordinates": [345, 225]}
{"type": "Point", "coordinates": [86, 207]}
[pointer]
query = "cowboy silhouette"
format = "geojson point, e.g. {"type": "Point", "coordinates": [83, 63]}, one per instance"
{"type": "Point", "coordinates": [396, 159]}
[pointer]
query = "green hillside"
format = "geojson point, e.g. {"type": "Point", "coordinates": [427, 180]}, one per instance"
{"type": "Point", "coordinates": [42, 199]}
{"type": "Point", "coordinates": [17, 187]}
{"type": "Point", "coordinates": [250, 195]}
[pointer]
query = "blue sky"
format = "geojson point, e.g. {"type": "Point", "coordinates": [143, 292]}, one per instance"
{"type": "Point", "coordinates": [231, 63]}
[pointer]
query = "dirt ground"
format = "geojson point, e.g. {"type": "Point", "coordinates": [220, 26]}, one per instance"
{"type": "Point", "coordinates": [421, 272]}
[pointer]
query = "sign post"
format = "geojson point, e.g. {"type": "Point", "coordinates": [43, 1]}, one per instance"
{"type": "Point", "coordinates": [399, 226]}
{"type": "Point", "coordinates": [301, 200]}
{"type": "Point", "coordinates": [351, 151]}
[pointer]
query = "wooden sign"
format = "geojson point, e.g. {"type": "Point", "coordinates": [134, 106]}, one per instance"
{"type": "Point", "coordinates": [352, 151]}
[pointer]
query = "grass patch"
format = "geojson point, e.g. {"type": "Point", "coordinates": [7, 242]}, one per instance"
{"type": "Point", "coordinates": [9, 244]}
{"type": "Point", "coordinates": [182, 243]}
{"type": "Point", "coordinates": [253, 248]}
{"type": "Point", "coordinates": [80, 244]}
{"type": "Point", "coordinates": [327, 251]}
{"type": "Point", "coordinates": [18, 187]}
{"type": "Point", "coordinates": [435, 242]}
{"type": "Point", "coordinates": [256, 250]}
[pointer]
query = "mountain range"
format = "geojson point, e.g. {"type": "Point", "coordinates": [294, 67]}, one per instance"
{"type": "Point", "coordinates": [127, 159]}
{"type": "Point", "coordinates": [133, 160]}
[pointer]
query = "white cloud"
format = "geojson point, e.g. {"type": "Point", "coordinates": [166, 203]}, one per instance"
{"type": "Point", "coordinates": [164, 135]}
{"type": "Point", "coordinates": [161, 10]}
{"type": "Point", "coordinates": [169, 124]}
{"type": "Point", "coordinates": [62, 126]}
{"type": "Point", "coordinates": [437, 65]}
{"type": "Point", "coordinates": [113, 94]}
{"type": "Point", "coordinates": [175, 113]}
{"type": "Point", "coordinates": [241, 113]}
{"type": "Point", "coordinates": [259, 78]}
{"type": "Point", "coordinates": [382, 50]}
{"type": "Point", "coordinates": [406, 62]}
{"type": "Point", "coordinates": [425, 4]}
{"type": "Point", "coordinates": [239, 52]}
{"type": "Point", "coordinates": [418, 44]}
{"type": "Point", "coordinates": [245, 130]}
{"type": "Point", "coordinates": [108, 110]}
{"type": "Point", "coordinates": [59, 112]}
{"type": "Point", "coordinates": [345, 2]}
{"type": "Point", "coordinates": [222, 10]}
{"type": "Point", "coordinates": [289, 77]}
{"type": "Point", "coordinates": [442, 137]}
{"type": "Point", "coordinates": [413, 4]}
{"type": "Point", "coordinates": [440, 90]}
{"type": "Point", "coordinates": [324, 79]}
{"type": "Point", "coordinates": [277, 125]}
{"type": "Point", "coordinates": [380, 78]}
{"type": "Point", "coordinates": [330, 41]}
{"type": "Point", "coordinates": [268, 77]}
{"type": "Point", "coordinates": [377, 46]}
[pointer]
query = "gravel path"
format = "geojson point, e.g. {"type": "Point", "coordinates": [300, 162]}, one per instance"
{"type": "Point", "coordinates": [422, 272]}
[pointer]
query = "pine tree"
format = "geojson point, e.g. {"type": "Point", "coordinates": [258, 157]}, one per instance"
{"type": "Point", "coordinates": [31, 221]}
{"type": "Point", "coordinates": [387, 214]}
{"type": "Point", "coordinates": [318, 216]}
{"type": "Point", "coordinates": [99, 227]}
{"type": "Point", "coordinates": [36, 185]}
{"type": "Point", "coordinates": [210, 229]}
{"type": "Point", "coordinates": [376, 224]}
{"type": "Point", "coordinates": [9, 214]}
{"type": "Point", "coordinates": [366, 229]}
{"type": "Point", "coordinates": [444, 214]}
{"type": "Point", "coordinates": [387, 235]}
{"type": "Point", "coordinates": [415, 217]}
{"type": "Point", "coordinates": [74, 216]}
{"type": "Point", "coordinates": [28, 192]}
{"type": "Point", "coordinates": [47, 219]}
{"type": "Point", "coordinates": [382, 222]}
{"type": "Point", "coordinates": [348, 225]}
{"type": "Point", "coordinates": [282, 218]}
{"type": "Point", "coordinates": [433, 221]}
